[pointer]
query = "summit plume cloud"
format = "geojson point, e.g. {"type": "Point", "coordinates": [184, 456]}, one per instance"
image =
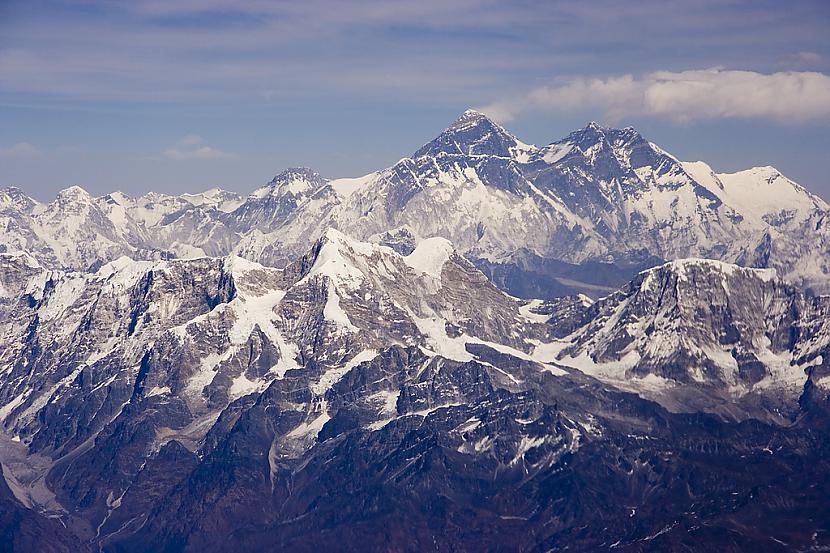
{"type": "Point", "coordinates": [787, 97]}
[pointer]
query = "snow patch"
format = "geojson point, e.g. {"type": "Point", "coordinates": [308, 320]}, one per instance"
{"type": "Point", "coordinates": [332, 376]}
{"type": "Point", "coordinates": [430, 256]}
{"type": "Point", "coordinates": [346, 187]}
{"type": "Point", "coordinates": [158, 391]}
{"type": "Point", "coordinates": [332, 312]}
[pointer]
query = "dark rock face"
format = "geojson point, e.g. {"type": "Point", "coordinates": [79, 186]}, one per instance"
{"type": "Point", "coordinates": [22, 529]}
{"type": "Point", "coordinates": [362, 399]}
{"type": "Point", "coordinates": [703, 334]}
{"type": "Point", "coordinates": [471, 134]}
{"type": "Point", "coordinates": [506, 471]}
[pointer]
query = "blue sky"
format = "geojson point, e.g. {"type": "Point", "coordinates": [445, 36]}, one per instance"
{"type": "Point", "coordinates": [184, 95]}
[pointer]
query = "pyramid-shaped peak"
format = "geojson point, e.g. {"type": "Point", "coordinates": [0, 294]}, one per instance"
{"type": "Point", "coordinates": [473, 133]}
{"type": "Point", "coordinates": [73, 190]}
{"type": "Point", "coordinates": [294, 180]}
{"type": "Point", "coordinates": [74, 193]}
{"type": "Point", "coordinates": [472, 116]}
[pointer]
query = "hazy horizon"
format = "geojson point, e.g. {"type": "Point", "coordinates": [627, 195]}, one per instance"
{"type": "Point", "coordinates": [241, 190]}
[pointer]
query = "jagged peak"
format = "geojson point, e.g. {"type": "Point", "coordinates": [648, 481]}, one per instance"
{"type": "Point", "coordinates": [594, 142]}
{"type": "Point", "coordinates": [11, 191]}
{"type": "Point", "coordinates": [12, 195]}
{"type": "Point", "coordinates": [589, 136]}
{"type": "Point", "coordinates": [296, 172]}
{"type": "Point", "coordinates": [74, 192]}
{"type": "Point", "coordinates": [473, 133]}
{"type": "Point", "coordinates": [294, 180]}
{"type": "Point", "coordinates": [472, 117]}
{"type": "Point", "coordinates": [594, 132]}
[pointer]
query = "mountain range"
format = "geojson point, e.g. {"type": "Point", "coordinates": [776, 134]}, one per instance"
{"type": "Point", "coordinates": [581, 215]}
{"type": "Point", "coordinates": [489, 346]}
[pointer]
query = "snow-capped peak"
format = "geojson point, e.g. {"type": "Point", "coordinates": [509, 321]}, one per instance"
{"type": "Point", "coordinates": [469, 118]}
{"type": "Point", "coordinates": [334, 256]}
{"type": "Point", "coordinates": [74, 193]}
{"type": "Point", "coordinates": [295, 180]}
{"type": "Point", "coordinates": [473, 133]}
{"type": "Point", "coordinates": [117, 197]}
{"type": "Point", "coordinates": [473, 113]}
{"type": "Point", "coordinates": [115, 266]}
{"type": "Point", "coordinates": [215, 198]}
{"type": "Point", "coordinates": [761, 195]}
{"type": "Point", "coordinates": [11, 196]}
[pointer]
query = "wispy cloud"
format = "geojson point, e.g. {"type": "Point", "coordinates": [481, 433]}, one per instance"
{"type": "Point", "coordinates": [21, 150]}
{"type": "Point", "coordinates": [799, 59]}
{"type": "Point", "coordinates": [193, 147]}
{"type": "Point", "coordinates": [195, 51]}
{"type": "Point", "coordinates": [683, 96]}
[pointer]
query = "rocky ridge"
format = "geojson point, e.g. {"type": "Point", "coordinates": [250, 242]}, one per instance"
{"type": "Point", "coordinates": [601, 198]}
{"type": "Point", "coordinates": [194, 404]}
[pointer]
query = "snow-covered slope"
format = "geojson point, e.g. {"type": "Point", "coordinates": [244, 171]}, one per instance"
{"type": "Point", "coordinates": [207, 331]}
{"type": "Point", "coordinates": [762, 196]}
{"type": "Point", "coordinates": [694, 332]}
{"type": "Point", "coordinates": [156, 399]}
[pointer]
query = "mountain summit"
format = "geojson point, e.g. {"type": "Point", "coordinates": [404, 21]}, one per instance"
{"type": "Point", "coordinates": [474, 134]}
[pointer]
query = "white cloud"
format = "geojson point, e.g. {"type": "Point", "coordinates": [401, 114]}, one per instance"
{"type": "Point", "coordinates": [193, 147]}
{"type": "Point", "coordinates": [684, 96]}
{"type": "Point", "coordinates": [21, 150]}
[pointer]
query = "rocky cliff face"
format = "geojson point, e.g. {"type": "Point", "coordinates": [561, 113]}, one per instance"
{"type": "Point", "coordinates": [703, 333]}
{"type": "Point", "coordinates": [363, 398]}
